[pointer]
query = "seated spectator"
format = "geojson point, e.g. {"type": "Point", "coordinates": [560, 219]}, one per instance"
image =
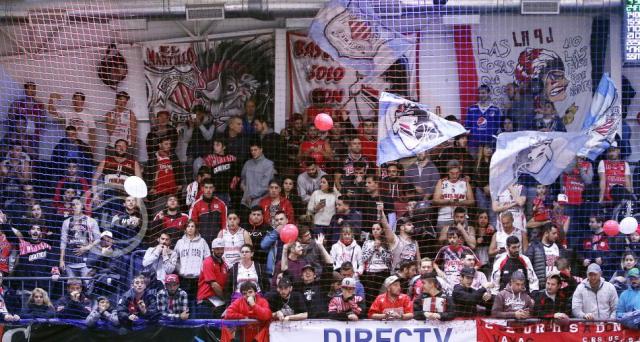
{"type": "Point", "coordinates": [161, 259]}
{"type": "Point", "coordinates": [452, 192]}
{"type": "Point", "coordinates": [75, 304]}
{"type": "Point", "coordinates": [5, 313]}
{"type": "Point", "coordinates": [550, 302]}
{"type": "Point", "coordinates": [507, 263]}
{"type": "Point", "coordinates": [619, 278]}
{"type": "Point", "coordinates": [594, 298]}
{"type": "Point", "coordinates": [274, 202]}
{"type": "Point", "coordinates": [107, 269]}
{"type": "Point", "coordinates": [449, 257]}
{"type": "Point", "coordinates": [344, 213]}
{"type": "Point", "coordinates": [193, 191]}
{"type": "Point", "coordinates": [245, 270]}
{"type": "Point", "coordinates": [313, 294]}
{"type": "Point", "coordinates": [426, 266]}
{"type": "Point", "coordinates": [433, 304]}
{"type": "Point", "coordinates": [630, 298]}
{"type": "Point", "coordinates": [347, 249]}
{"type": "Point", "coordinates": [192, 249]}
{"type": "Point", "coordinates": [513, 301]}
{"type": "Point", "coordinates": [347, 271]}
{"type": "Point", "coordinates": [285, 304]}
{"type": "Point", "coordinates": [79, 188]}
{"type": "Point", "coordinates": [172, 300]}
{"type": "Point", "coordinates": [103, 313]}
{"type": "Point", "coordinates": [309, 180]}
{"type": "Point", "coordinates": [251, 306]}
{"type": "Point", "coordinates": [314, 251]}
{"type": "Point", "coordinates": [137, 304]}
{"type": "Point", "coordinates": [38, 305]}
{"type": "Point", "coordinates": [170, 221]}
{"type": "Point", "coordinates": [569, 282]}
{"type": "Point", "coordinates": [393, 304]}
{"type": "Point", "coordinates": [347, 306]}
{"type": "Point", "coordinates": [211, 283]}
{"type": "Point", "coordinates": [80, 233]}
{"type": "Point", "coordinates": [255, 176]}
{"type": "Point", "coordinates": [18, 208]}
{"type": "Point", "coordinates": [406, 272]}
{"type": "Point", "coordinates": [466, 299]}
{"type": "Point", "coordinates": [209, 212]}
{"type": "Point", "coordinates": [465, 232]}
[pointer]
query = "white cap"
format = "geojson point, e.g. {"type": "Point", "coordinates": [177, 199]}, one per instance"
{"type": "Point", "coordinates": [106, 233]}
{"type": "Point", "coordinates": [562, 198]}
{"type": "Point", "coordinates": [217, 243]}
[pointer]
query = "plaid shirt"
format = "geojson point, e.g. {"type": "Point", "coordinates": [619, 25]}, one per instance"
{"type": "Point", "coordinates": [172, 306]}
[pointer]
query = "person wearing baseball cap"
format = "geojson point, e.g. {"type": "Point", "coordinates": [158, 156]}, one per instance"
{"type": "Point", "coordinates": [211, 283]}
{"type": "Point", "coordinates": [630, 298]}
{"type": "Point", "coordinates": [347, 306]}
{"type": "Point", "coordinates": [172, 293]}
{"type": "Point", "coordinates": [286, 304]}
{"type": "Point", "coordinates": [594, 298]}
{"type": "Point", "coordinates": [393, 304]}
{"type": "Point", "coordinates": [314, 296]}
{"type": "Point", "coordinates": [465, 298]}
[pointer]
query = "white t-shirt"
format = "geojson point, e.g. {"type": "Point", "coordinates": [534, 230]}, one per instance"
{"type": "Point", "coordinates": [82, 121]}
{"type": "Point", "coordinates": [247, 274]}
{"type": "Point", "coordinates": [551, 253]}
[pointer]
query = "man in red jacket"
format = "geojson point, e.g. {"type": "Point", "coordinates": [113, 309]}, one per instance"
{"type": "Point", "coordinates": [393, 304]}
{"type": "Point", "coordinates": [250, 306]}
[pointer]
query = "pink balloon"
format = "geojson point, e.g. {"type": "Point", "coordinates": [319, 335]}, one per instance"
{"type": "Point", "coordinates": [289, 233]}
{"type": "Point", "coordinates": [611, 228]}
{"type": "Point", "coordinates": [323, 122]}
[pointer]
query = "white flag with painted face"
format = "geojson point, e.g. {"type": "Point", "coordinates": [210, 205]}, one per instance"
{"type": "Point", "coordinates": [543, 155]}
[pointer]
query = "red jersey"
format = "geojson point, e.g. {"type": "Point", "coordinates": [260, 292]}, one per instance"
{"type": "Point", "coordinates": [211, 271]}
{"type": "Point", "coordinates": [384, 304]}
{"type": "Point", "coordinates": [614, 174]}
{"type": "Point", "coordinates": [369, 148]}
{"type": "Point", "coordinates": [117, 172]}
{"type": "Point", "coordinates": [573, 184]}
{"type": "Point", "coordinates": [177, 222]}
{"type": "Point", "coordinates": [165, 183]}
{"type": "Point", "coordinates": [5, 252]}
{"type": "Point", "coordinates": [317, 156]}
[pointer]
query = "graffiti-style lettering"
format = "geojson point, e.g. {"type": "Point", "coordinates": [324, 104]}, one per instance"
{"type": "Point", "coordinates": [301, 49]}
{"type": "Point", "coordinates": [499, 66]}
{"type": "Point", "coordinates": [524, 39]}
{"type": "Point", "coordinates": [329, 96]}
{"type": "Point", "coordinates": [576, 59]}
{"type": "Point", "coordinates": [328, 74]}
{"type": "Point", "coordinates": [500, 49]}
{"type": "Point", "coordinates": [539, 34]}
{"type": "Point", "coordinates": [572, 42]}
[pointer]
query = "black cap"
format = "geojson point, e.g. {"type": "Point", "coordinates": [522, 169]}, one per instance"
{"type": "Point", "coordinates": [284, 283]}
{"type": "Point", "coordinates": [468, 271]}
{"type": "Point", "coordinates": [308, 266]}
{"type": "Point", "coordinates": [429, 275]}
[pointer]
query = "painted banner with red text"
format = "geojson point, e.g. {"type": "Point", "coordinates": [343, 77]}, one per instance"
{"type": "Point", "coordinates": [553, 332]}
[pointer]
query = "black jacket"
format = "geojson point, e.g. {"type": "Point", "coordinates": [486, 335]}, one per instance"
{"type": "Point", "coordinates": [315, 299]}
{"type": "Point", "coordinates": [535, 253]}
{"type": "Point", "coordinates": [38, 311]}
{"type": "Point", "coordinates": [466, 299]}
{"type": "Point", "coordinates": [149, 299]}
{"type": "Point", "coordinates": [545, 306]}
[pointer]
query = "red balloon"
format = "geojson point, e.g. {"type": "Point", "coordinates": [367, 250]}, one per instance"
{"type": "Point", "coordinates": [611, 228]}
{"type": "Point", "coordinates": [323, 122]}
{"type": "Point", "coordinates": [289, 233]}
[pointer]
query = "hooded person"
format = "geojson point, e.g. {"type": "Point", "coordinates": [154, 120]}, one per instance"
{"type": "Point", "coordinates": [103, 313]}
{"type": "Point", "coordinates": [630, 298]}
{"type": "Point", "coordinates": [594, 298]}
{"type": "Point", "coordinates": [513, 301]}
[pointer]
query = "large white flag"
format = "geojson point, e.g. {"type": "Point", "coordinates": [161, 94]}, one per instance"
{"type": "Point", "coordinates": [543, 155]}
{"type": "Point", "coordinates": [406, 128]}
{"type": "Point", "coordinates": [604, 119]}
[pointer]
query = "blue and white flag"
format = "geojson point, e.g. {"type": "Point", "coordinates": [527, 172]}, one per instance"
{"type": "Point", "coordinates": [543, 155]}
{"type": "Point", "coordinates": [604, 119]}
{"type": "Point", "coordinates": [406, 128]}
{"type": "Point", "coordinates": [353, 37]}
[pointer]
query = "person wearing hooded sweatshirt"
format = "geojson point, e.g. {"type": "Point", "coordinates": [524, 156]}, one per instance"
{"type": "Point", "coordinates": [137, 304]}
{"type": "Point", "coordinates": [192, 249]}
{"type": "Point", "coordinates": [630, 298]}
{"type": "Point", "coordinates": [594, 298]}
{"type": "Point", "coordinates": [103, 313]}
{"type": "Point", "coordinates": [513, 301]}
{"type": "Point", "coordinates": [347, 249]}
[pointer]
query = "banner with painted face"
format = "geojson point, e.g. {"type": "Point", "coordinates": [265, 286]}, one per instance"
{"type": "Point", "coordinates": [318, 81]}
{"type": "Point", "coordinates": [541, 64]}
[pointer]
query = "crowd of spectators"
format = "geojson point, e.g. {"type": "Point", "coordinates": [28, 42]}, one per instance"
{"type": "Point", "coordinates": [419, 238]}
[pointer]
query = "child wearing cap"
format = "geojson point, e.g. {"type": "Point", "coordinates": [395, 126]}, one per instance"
{"type": "Point", "coordinates": [347, 306]}
{"type": "Point", "coordinates": [172, 300]}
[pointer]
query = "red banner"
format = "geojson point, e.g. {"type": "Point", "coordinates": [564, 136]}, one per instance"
{"type": "Point", "coordinates": [554, 332]}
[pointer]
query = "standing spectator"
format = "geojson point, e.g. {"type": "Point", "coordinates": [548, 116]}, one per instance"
{"type": "Point", "coordinates": [354, 155]}
{"type": "Point", "coordinates": [315, 147]}
{"type": "Point", "coordinates": [163, 174]}
{"type": "Point", "coordinates": [347, 250]}
{"type": "Point", "coordinates": [285, 304]}
{"type": "Point", "coordinates": [170, 221]}
{"type": "Point", "coordinates": [121, 123]}
{"type": "Point", "coordinates": [369, 138]}
{"type": "Point", "coordinates": [543, 254]}
{"type": "Point", "coordinates": [76, 116]}
{"type": "Point", "coordinates": [172, 300]}
{"type": "Point", "coordinates": [15, 172]}
{"type": "Point", "coordinates": [249, 117]}
{"type": "Point", "coordinates": [31, 109]}
{"type": "Point", "coordinates": [258, 230]}
{"type": "Point", "coordinates": [402, 246]}
{"type": "Point", "coordinates": [508, 263]}
{"type": "Point", "coordinates": [292, 137]}
{"type": "Point", "coordinates": [482, 119]}
{"type": "Point", "coordinates": [613, 171]}
{"type": "Point", "coordinates": [347, 306]}
{"type": "Point", "coordinates": [594, 298]}
{"type": "Point", "coordinates": [598, 247]}
{"type": "Point", "coordinates": [18, 135]}
{"type": "Point", "coordinates": [550, 121]}
{"type": "Point", "coordinates": [274, 202]}
{"type": "Point", "coordinates": [245, 271]}
{"type": "Point", "coordinates": [115, 169]}
{"type": "Point", "coordinates": [237, 141]}
{"type": "Point", "coordinates": [256, 174]}
{"type": "Point", "coordinates": [423, 175]}
{"type": "Point", "coordinates": [460, 153]}
{"type": "Point", "coordinates": [433, 304]}
{"type": "Point", "coordinates": [192, 249]}
{"type": "Point", "coordinates": [449, 257]}
{"type": "Point", "coordinates": [313, 249]}
{"type": "Point", "coordinates": [343, 214]}
{"type": "Point", "coordinates": [498, 243]}
{"type": "Point", "coordinates": [513, 301]}
{"type": "Point", "coordinates": [374, 200]}
{"type": "Point", "coordinates": [569, 282]}
{"type": "Point", "coordinates": [224, 168]}
{"type": "Point", "coordinates": [272, 244]}
{"type": "Point", "coordinates": [309, 180]}
{"type": "Point", "coordinates": [322, 205]}
{"type": "Point", "coordinates": [137, 305]}
{"type": "Point", "coordinates": [393, 304]}
{"type": "Point", "coordinates": [80, 233]}
{"type": "Point", "coordinates": [211, 283]}
{"type": "Point", "coordinates": [270, 141]}
{"type": "Point", "coordinates": [513, 201]}
{"type": "Point", "coordinates": [198, 133]}
{"type": "Point", "coordinates": [376, 258]}
{"type": "Point", "coordinates": [292, 262]}
{"type": "Point", "coordinates": [127, 224]}
{"type": "Point", "coordinates": [161, 129]}
{"type": "Point", "coordinates": [576, 183]}
{"type": "Point", "coordinates": [630, 298]}
{"type": "Point", "coordinates": [35, 257]}
{"type": "Point", "coordinates": [69, 149]}
{"type": "Point", "coordinates": [461, 225]}
{"type": "Point", "coordinates": [619, 278]}
{"type": "Point", "coordinates": [209, 212]}
{"type": "Point", "coordinates": [551, 302]}
{"type": "Point", "coordinates": [234, 238]}
{"type": "Point", "coordinates": [251, 306]}
{"type": "Point", "coordinates": [79, 186]}
{"type": "Point", "coordinates": [194, 190]}
{"type": "Point", "coordinates": [161, 259]}
{"type": "Point", "coordinates": [290, 192]}
{"type": "Point", "coordinates": [481, 178]}
{"type": "Point", "coordinates": [353, 185]}
{"type": "Point", "coordinates": [485, 232]}
{"type": "Point", "coordinates": [103, 313]}
{"type": "Point", "coordinates": [451, 192]}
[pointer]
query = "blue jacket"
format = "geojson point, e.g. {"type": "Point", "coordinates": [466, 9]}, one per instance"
{"type": "Point", "coordinates": [483, 125]}
{"type": "Point", "coordinates": [629, 301]}
{"type": "Point", "coordinates": [271, 243]}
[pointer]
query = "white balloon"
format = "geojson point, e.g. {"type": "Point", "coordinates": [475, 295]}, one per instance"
{"type": "Point", "coordinates": [136, 187]}
{"type": "Point", "coordinates": [628, 225]}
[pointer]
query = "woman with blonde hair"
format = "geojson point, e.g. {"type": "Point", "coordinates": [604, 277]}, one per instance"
{"type": "Point", "coordinates": [38, 305]}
